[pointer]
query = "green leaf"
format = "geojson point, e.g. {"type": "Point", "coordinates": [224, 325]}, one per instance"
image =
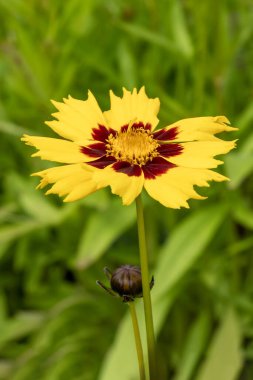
{"type": "Point", "coordinates": [224, 359]}
{"type": "Point", "coordinates": [12, 129]}
{"type": "Point", "coordinates": [14, 231]}
{"type": "Point", "coordinates": [239, 164]}
{"type": "Point", "coordinates": [7, 210]}
{"type": "Point", "coordinates": [147, 35]}
{"type": "Point", "coordinates": [19, 326]}
{"type": "Point", "coordinates": [245, 118]}
{"type": "Point", "coordinates": [242, 211]}
{"type": "Point", "coordinates": [5, 369]}
{"type": "Point", "coordinates": [127, 64]}
{"type": "Point", "coordinates": [199, 333]}
{"type": "Point", "coordinates": [34, 202]}
{"type": "Point", "coordinates": [180, 32]}
{"type": "Point", "coordinates": [101, 231]}
{"type": "Point", "coordinates": [185, 245]}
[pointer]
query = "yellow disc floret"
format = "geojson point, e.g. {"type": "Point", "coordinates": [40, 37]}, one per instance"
{"type": "Point", "coordinates": [132, 145]}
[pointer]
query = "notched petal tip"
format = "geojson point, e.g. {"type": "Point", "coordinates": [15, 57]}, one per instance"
{"type": "Point", "coordinates": [222, 178]}
{"type": "Point", "coordinates": [221, 119]}
{"type": "Point", "coordinates": [43, 183]}
{"type": "Point", "coordinates": [178, 206]}
{"type": "Point", "coordinates": [52, 123]}
{"type": "Point", "coordinates": [37, 174]}
{"type": "Point", "coordinates": [157, 102]}
{"type": "Point", "coordinates": [185, 205]}
{"type": "Point", "coordinates": [30, 143]}
{"type": "Point", "coordinates": [56, 104]}
{"type": "Point", "coordinates": [111, 93]}
{"type": "Point", "coordinates": [26, 139]}
{"type": "Point", "coordinates": [48, 192]}
{"type": "Point", "coordinates": [68, 199]}
{"type": "Point", "coordinates": [224, 120]}
{"type": "Point", "coordinates": [90, 96]}
{"type": "Point", "coordinates": [125, 202]}
{"type": "Point", "coordinates": [126, 92]}
{"type": "Point", "coordinates": [142, 90]}
{"type": "Point", "coordinates": [37, 154]}
{"type": "Point", "coordinates": [113, 98]}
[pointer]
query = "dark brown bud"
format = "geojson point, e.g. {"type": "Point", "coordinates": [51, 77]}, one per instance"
{"type": "Point", "coordinates": [126, 281]}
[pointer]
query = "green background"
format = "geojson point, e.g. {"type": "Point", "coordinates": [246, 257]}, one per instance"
{"type": "Point", "coordinates": [55, 323]}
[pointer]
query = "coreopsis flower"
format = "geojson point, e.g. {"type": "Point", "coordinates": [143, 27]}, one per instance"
{"type": "Point", "coordinates": [122, 148]}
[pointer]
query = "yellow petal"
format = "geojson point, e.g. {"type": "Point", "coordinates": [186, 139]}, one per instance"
{"type": "Point", "coordinates": [199, 154]}
{"type": "Point", "coordinates": [81, 191]}
{"type": "Point", "coordinates": [55, 149]}
{"type": "Point", "coordinates": [174, 188]}
{"type": "Point", "coordinates": [201, 128]}
{"type": "Point", "coordinates": [128, 188]}
{"type": "Point", "coordinates": [74, 180]}
{"type": "Point", "coordinates": [76, 118]}
{"type": "Point", "coordinates": [59, 172]}
{"type": "Point", "coordinates": [68, 183]}
{"type": "Point", "coordinates": [168, 196]}
{"type": "Point", "coordinates": [132, 107]}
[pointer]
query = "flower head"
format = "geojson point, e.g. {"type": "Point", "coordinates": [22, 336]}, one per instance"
{"type": "Point", "coordinates": [120, 148]}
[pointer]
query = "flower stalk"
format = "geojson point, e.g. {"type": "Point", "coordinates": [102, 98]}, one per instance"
{"type": "Point", "coordinates": [137, 340]}
{"type": "Point", "coordinates": [146, 291]}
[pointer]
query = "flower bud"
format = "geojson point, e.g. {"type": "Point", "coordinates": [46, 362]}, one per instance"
{"type": "Point", "coordinates": [126, 281]}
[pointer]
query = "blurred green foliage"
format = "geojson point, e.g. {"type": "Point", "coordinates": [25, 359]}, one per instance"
{"type": "Point", "coordinates": [55, 323]}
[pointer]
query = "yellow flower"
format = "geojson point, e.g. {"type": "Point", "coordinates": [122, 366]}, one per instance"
{"type": "Point", "coordinates": [120, 148]}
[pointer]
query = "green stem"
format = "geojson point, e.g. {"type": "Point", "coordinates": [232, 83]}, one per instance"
{"type": "Point", "coordinates": [146, 291]}
{"type": "Point", "coordinates": [137, 340]}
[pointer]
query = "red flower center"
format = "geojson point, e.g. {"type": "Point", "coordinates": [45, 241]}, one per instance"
{"type": "Point", "coordinates": [134, 149]}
